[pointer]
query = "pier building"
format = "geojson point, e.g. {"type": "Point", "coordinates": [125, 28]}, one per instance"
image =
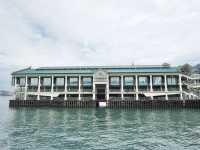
{"type": "Point", "coordinates": [104, 83]}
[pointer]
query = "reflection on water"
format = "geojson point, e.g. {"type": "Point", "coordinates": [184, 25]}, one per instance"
{"type": "Point", "coordinates": [61, 128]}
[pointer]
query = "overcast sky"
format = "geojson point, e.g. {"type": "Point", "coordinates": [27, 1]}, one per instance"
{"type": "Point", "coordinates": [97, 32]}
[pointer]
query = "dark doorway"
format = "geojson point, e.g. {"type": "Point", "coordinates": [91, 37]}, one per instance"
{"type": "Point", "coordinates": [100, 92]}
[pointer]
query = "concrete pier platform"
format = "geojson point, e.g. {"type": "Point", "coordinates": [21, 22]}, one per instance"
{"type": "Point", "coordinates": [154, 104]}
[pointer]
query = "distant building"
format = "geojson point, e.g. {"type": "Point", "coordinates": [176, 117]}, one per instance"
{"type": "Point", "coordinates": [104, 83]}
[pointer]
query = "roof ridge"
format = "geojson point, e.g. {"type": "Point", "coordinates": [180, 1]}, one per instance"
{"type": "Point", "coordinates": [113, 66]}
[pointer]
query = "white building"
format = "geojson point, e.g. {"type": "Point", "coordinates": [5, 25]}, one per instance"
{"type": "Point", "coordinates": [104, 83]}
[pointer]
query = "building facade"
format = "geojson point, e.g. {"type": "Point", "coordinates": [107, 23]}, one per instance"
{"type": "Point", "coordinates": [103, 83]}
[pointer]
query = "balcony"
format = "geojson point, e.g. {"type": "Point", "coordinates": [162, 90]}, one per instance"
{"type": "Point", "coordinates": [20, 89]}
{"type": "Point", "coordinates": [116, 88]}
{"type": "Point", "coordinates": [158, 88]}
{"type": "Point", "coordinates": [144, 88]}
{"type": "Point", "coordinates": [72, 96]}
{"type": "Point", "coordinates": [129, 97]}
{"type": "Point", "coordinates": [173, 87]}
{"type": "Point", "coordinates": [59, 89]}
{"type": "Point", "coordinates": [86, 96]}
{"type": "Point", "coordinates": [72, 88]}
{"type": "Point", "coordinates": [86, 89]}
{"type": "Point", "coordinates": [115, 97]}
{"type": "Point", "coordinates": [32, 89]}
{"type": "Point", "coordinates": [129, 89]}
{"type": "Point", "coordinates": [45, 89]}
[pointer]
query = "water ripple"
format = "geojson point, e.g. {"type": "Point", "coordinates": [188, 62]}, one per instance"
{"type": "Point", "coordinates": [49, 128]}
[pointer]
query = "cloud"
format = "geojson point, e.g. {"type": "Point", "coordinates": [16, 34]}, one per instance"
{"type": "Point", "coordinates": [93, 32]}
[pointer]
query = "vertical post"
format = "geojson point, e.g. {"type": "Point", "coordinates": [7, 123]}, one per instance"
{"type": "Point", "coordinates": [39, 84]}
{"type": "Point", "coordinates": [52, 85]}
{"type": "Point", "coordinates": [25, 90]}
{"type": "Point", "coordinates": [79, 88]}
{"type": "Point", "coordinates": [166, 90]}
{"type": "Point", "coordinates": [136, 86]}
{"type": "Point", "coordinates": [65, 88]}
{"type": "Point", "coordinates": [122, 87]}
{"type": "Point", "coordinates": [107, 89]}
{"type": "Point", "coordinates": [180, 87]}
{"type": "Point", "coordinates": [15, 82]}
{"type": "Point", "coordinates": [93, 91]}
{"type": "Point", "coordinates": [15, 90]}
{"type": "Point", "coordinates": [151, 86]}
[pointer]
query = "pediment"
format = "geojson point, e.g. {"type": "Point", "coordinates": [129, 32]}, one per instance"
{"type": "Point", "coordinates": [100, 75]}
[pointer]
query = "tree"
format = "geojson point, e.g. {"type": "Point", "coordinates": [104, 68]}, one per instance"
{"type": "Point", "coordinates": [186, 69]}
{"type": "Point", "coordinates": [197, 68]}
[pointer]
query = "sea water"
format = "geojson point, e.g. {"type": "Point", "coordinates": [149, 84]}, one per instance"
{"type": "Point", "coordinates": [101, 128]}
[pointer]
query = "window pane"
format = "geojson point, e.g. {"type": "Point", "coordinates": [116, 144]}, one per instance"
{"type": "Point", "coordinates": [60, 81]}
{"type": "Point", "coordinates": [114, 81]}
{"type": "Point", "coordinates": [128, 80]}
{"type": "Point", "coordinates": [143, 81]}
{"type": "Point", "coordinates": [34, 81]}
{"type": "Point", "coordinates": [87, 81]}
{"type": "Point", "coordinates": [46, 81]}
{"type": "Point", "coordinates": [172, 80]}
{"type": "Point", "coordinates": [157, 80]}
{"type": "Point", "coordinates": [73, 81]}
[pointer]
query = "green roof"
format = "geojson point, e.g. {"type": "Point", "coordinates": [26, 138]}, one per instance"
{"type": "Point", "coordinates": [93, 69]}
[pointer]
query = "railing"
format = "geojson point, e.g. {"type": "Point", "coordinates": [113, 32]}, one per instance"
{"type": "Point", "coordinates": [173, 88]}
{"type": "Point", "coordinates": [20, 89]}
{"type": "Point", "coordinates": [32, 89]}
{"type": "Point", "coordinates": [31, 97]}
{"type": "Point", "coordinates": [86, 90]}
{"type": "Point", "coordinates": [72, 90]}
{"type": "Point", "coordinates": [173, 98]}
{"type": "Point", "coordinates": [129, 90]}
{"type": "Point", "coordinates": [114, 98]}
{"type": "Point", "coordinates": [19, 96]}
{"type": "Point", "coordinates": [86, 98]}
{"type": "Point", "coordinates": [144, 98]}
{"type": "Point", "coordinates": [45, 89]}
{"type": "Point", "coordinates": [59, 89]}
{"type": "Point", "coordinates": [72, 98]}
{"type": "Point", "coordinates": [58, 98]}
{"type": "Point", "coordinates": [114, 90]}
{"type": "Point", "coordinates": [129, 98]}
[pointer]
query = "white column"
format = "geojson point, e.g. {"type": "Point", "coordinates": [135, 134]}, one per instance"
{"type": "Point", "coordinates": [165, 78]}
{"type": "Point", "coordinates": [79, 88]}
{"type": "Point", "coordinates": [15, 90]}
{"type": "Point", "coordinates": [166, 96]}
{"type": "Point", "coordinates": [65, 88]}
{"type": "Point", "coordinates": [39, 84]}
{"type": "Point", "coordinates": [180, 87]}
{"type": "Point", "coordinates": [93, 90]}
{"type": "Point", "coordinates": [15, 82]}
{"type": "Point", "coordinates": [25, 90]}
{"type": "Point", "coordinates": [52, 85]}
{"type": "Point", "coordinates": [122, 87]}
{"type": "Point", "coordinates": [136, 86]}
{"type": "Point", "coordinates": [166, 90]}
{"type": "Point", "coordinates": [151, 85]}
{"type": "Point", "coordinates": [107, 89]}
